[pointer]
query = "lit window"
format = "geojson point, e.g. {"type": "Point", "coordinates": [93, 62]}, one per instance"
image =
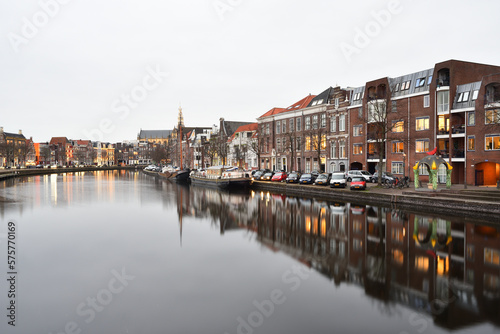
{"type": "Point", "coordinates": [308, 143]}
{"type": "Point", "coordinates": [397, 147]}
{"type": "Point", "coordinates": [397, 256]}
{"type": "Point", "coordinates": [492, 256]}
{"type": "Point", "coordinates": [471, 143]}
{"type": "Point", "coordinates": [357, 149]}
{"type": "Point", "coordinates": [421, 263]}
{"type": "Point", "coordinates": [323, 142]}
{"type": "Point", "coordinates": [398, 234]}
{"type": "Point", "coordinates": [492, 142]}
{"type": "Point", "coordinates": [398, 126]}
{"type": "Point", "coordinates": [422, 146]}
{"type": "Point", "coordinates": [422, 123]}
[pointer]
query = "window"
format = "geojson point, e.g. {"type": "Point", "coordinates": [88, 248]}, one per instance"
{"type": "Point", "coordinates": [474, 95]}
{"type": "Point", "coordinates": [308, 123]}
{"type": "Point", "coordinates": [398, 126]}
{"type": "Point", "coordinates": [492, 116]}
{"type": "Point", "coordinates": [422, 169]}
{"type": "Point", "coordinates": [298, 144]}
{"type": "Point", "coordinates": [278, 145]}
{"type": "Point", "coordinates": [397, 234]}
{"type": "Point", "coordinates": [376, 112]}
{"type": "Point", "coordinates": [357, 130]}
{"type": "Point", "coordinates": [394, 105]}
{"type": "Point", "coordinates": [422, 123]}
{"type": "Point", "coordinates": [471, 143]}
{"type": "Point", "coordinates": [397, 87]}
{"type": "Point", "coordinates": [429, 80]}
{"type": "Point", "coordinates": [337, 101]}
{"type": "Point", "coordinates": [397, 147]}
{"type": "Point", "coordinates": [471, 118]}
{"type": "Point", "coordinates": [422, 145]}
{"type": "Point", "coordinates": [397, 168]}
{"type": "Point", "coordinates": [492, 256]}
{"type": "Point", "coordinates": [323, 120]}
{"type": "Point", "coordinates": [421, 263]}
{"type": "Point", "coordinates": [290, 122]}
{"type": "Point", "coordinates": [315, 122]}
{"type": "Point", "coordinates": [342, 122]}
{"type": "Point", "coordinates": [420, 82]}
{"type": "Point", "coordinates": [283, 126]}
{"type": "Point", "coordinates": [465, 97]}
{"type": "Point", "coordinates": [267, 128]}
{"type": "Point", "coordinates": [357, 149]}
{"type": "Point", "coordinates": [298, 123]}
{"type": "Point", "coordinates": [342, 149]}
{"type": "Point", "coordinates": [308, 143]}
{"type": "Point", "coordinates": [333, 124]}
{"type": "Point", "coordinates": [323, 142]}
{"type": "Point", "coordinates": [443, 104]}
{"type": "Point", "coordinates": [333, 149]}
{"type": "Point", "coordinates": [492, 142]}
{"type": "Point", "coordinates": [426, 101]}
{"type": "Point", "coordinates": [278, 127]}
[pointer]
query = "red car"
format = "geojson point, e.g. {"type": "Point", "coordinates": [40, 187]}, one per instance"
{"type": "Point", "coordinates": [358, 182]}
{"type": "Point", "coordinates": [279, 177]}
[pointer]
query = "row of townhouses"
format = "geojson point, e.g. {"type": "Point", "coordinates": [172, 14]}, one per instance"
{"type": "Point", "coordinates": [452, 109]}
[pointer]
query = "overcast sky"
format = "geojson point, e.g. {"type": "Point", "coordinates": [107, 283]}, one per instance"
{"type": "Point", "coordinates": [105, 69]}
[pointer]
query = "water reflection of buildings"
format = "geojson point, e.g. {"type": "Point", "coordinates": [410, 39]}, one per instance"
{"type": "Point", "coordinates": [448, 268]}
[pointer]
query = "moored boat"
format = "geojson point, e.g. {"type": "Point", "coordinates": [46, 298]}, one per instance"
{"type": "Point", "coordinates": [224, 177]}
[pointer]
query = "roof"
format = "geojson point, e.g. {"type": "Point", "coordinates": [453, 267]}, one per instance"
{"type": "Point", "coordinates": [322, 98]}
{"type": "Point", "coordinates": [229, 127]}
{"type": "Point", "coordinates": [58, 140]}
{"type": "Point", "coordinates": [154, 134]}
{"type": "Point", "coordinates": [411, 83]}
{"type": "Point", "coordinates": [247, 127]}
{"type": "Point", "coordinates": [82, 142]}
{"type": "Point", "coordinates": [302, 103]}
{"type": "Point", "coordinates": [273, 111]}
{"type": "Point", "coordinates": [14, 135]}
{"type": "Point", "coordinates": [466, 95]}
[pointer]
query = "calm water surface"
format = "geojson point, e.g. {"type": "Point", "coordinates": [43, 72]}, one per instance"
{"type": "Point", "coordinates": [121, 252]}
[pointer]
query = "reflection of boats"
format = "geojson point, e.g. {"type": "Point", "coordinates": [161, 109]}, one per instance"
{"type": "Point", "coordinates": [222, 177]}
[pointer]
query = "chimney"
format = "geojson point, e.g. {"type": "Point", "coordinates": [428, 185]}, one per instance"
{"type": "Point", "coordinates": [20, 132]}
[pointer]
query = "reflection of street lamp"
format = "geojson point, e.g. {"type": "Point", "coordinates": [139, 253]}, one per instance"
{"type": "Point", "coordinates": [404, 159]}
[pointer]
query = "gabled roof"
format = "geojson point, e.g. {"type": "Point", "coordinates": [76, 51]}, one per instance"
{"type": "Point", "coordinates": [247, 127]}
{"type": "Point", "coordinates": [273, 111]}
{"type": "Point", "coordinates": [322, 98]}
{"type": "Point", "coordinates": [58, 140]}
{"type": "Point", "coordinates": [154, 134]}
{"type": "Point", "coordinates": [301, 104]}
{"type": "Point", "coordinates": [229, 127]}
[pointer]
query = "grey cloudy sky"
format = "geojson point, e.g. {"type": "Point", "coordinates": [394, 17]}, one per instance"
{"type": "Point", "coordinates": [98, 69]}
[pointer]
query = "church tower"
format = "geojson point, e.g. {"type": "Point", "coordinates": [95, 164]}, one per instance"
{"type": "Point", "coordinates": [180, 118]}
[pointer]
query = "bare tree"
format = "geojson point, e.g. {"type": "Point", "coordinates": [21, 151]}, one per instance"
{"type": "Point", "coordinates": [159, 154]}
{"type": "Point", "coordinates": [211, 149]}
{"type": "Point", "coordinates": [257, 145]}
{"type": "Point", "coordinates": [8, 151]}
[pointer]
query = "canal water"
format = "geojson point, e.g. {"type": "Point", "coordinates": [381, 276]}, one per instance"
{"type": "Point", "coordinates": [121, 252]}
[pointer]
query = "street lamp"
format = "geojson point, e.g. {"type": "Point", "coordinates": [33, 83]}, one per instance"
{"type": "Point", "coordinates": [404, 159]}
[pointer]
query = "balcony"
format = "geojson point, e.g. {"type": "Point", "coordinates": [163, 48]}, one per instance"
{"type": "Point", "coordinates": [458, 129]}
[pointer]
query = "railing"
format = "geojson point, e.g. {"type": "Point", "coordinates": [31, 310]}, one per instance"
{"type": "Point", "coordinates": [458, 154]}
{"type": "Point", "coordinates": [373, 156]}
{"type": "Point", "coordinates": [458, 129]}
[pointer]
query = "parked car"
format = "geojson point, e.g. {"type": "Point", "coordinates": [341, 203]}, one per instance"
{"type": "Point", "coordinates": [358, 182]}
{"type": "Point", "coordinates": [307, 178]}
{"type": "Point", "coordinates": [39, 166]}
{"type": "Point", "coordinates": [279, 177]}
{"type": "Point", "coordinates": [386, 177]}
{"type": "Point", "coordinates": [338, 180]}
{"type": "Point", "coordinates": [293, 177]}
{"type": "Point", "coordinates": [359, 173]}
{"type": "Point", "coordinates": [267, 176]}
{"type": "Point", "coordinates": [323, 179]}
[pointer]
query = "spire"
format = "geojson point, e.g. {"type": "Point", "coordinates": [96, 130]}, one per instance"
{"type": "Point", "coordinates": [180, 119]}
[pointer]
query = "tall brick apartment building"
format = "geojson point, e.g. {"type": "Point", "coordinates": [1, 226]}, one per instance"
{"type": "Point", "coordinates": [453, 107]}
